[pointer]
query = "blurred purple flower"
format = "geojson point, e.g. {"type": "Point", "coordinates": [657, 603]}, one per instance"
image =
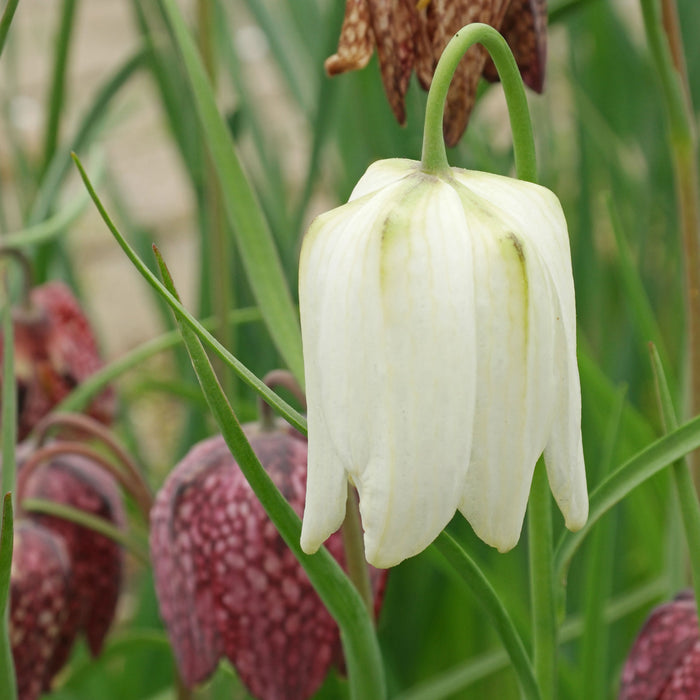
{"type": "Point", "coordinates": [664, 663]}
{"type": "Point", "coordinates": [228, 585]}
{"type": "Point", "coordinates": [55, 350]}
{"type": "Point", "coordinates": [66, 578]}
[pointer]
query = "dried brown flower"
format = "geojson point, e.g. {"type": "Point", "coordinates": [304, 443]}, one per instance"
{"type": "Point", "coordinates": [410, 35]}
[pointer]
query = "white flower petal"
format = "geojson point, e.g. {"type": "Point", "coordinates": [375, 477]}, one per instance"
{"type": "Point", "coordinates": [383, 173]}
{"type": "Point", "coordinates": [385, 388]}
{"type": "Point", "coordinates": [514, 356]}
{"type": "Point", "coordinates": [438, 323]}
{"type": "Point", "coordinates": [547, 234]}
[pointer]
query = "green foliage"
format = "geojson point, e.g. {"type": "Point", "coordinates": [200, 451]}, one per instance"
{"type": "Point", "coordinates": [600, 130]}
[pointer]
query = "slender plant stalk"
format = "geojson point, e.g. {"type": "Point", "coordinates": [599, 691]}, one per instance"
{"type": "Point", "coordinates": [339, 595]}
{"type": "Point", "coordinates": [6, 20]}
{"type": "Point", "coordinates": [354, 547]}
{"type": "Point", "coordinates": [58, 79]}
{"type": "Point", "coordinates": [492, 605]}
{"type": "Point", "coordinates": [544, 627]}
{"type": "Point", "coordinates": [79, 398]}
{"type": "Point", "coordinates": [8, 681]}
{"type": "Point", "coordinates": [614, 488]}
{"type": "Point", "coordinates": [9, 403]}
{"type": "Point", "coordinates": [434, 159]}
{"type": "Point", "coordinates": [89, 521]}
{"type": "Point", "coordinates": [293, 417]}
{"type": "Point", "coordinates": [8, 424]}
{"type": "Point", "coordinates": [682, 479]}
{"type": "Point", "coordinates": [667, 50]}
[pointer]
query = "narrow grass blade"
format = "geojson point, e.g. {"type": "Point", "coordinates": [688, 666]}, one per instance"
{"type": "Point", "coordinates": [8, 683]}
{"type": "Point", "coordinates": [625, 479]}
{"type": "Point", "coordinates": [258, 253]}
{"type": "Point", "coordinates": [89, 521]}
{"type": "Point", "coordinates": [682, 478]}
{"type": "Point", "coordinates": [338, 594]}
{"type": "Point", "coordinates": [80, 397]}
{"type": "Point", "coordinates": [6, 21]}
{"type": "Point", "coordinates": [492, 605]}
{"type": "Point", "coordinates": [284, 409]}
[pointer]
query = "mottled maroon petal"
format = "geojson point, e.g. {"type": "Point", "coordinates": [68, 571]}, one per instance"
{"type": "Point", "coordinates": [96, 561]}
{"type": "Point", "coordinates": [39, 589]}
{"type": "Point", "coordinates": [55, 350]}
{"type": "Point", "coordinates": [227, 583]}
{"type": "Point", "coordinates": [668, 637]}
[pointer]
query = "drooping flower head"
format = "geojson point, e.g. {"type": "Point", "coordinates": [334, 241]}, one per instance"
{"type": "Point", "coordinates": [438, 322]}
{"type": "Point", "coordinates": [664, 662]}
{"type": "Point", "coordinates": [55, 350]}
{"type": "Point", "coordinates": [65, 578]}
{"type": "Point", "coordinates": [228, 585]}
{"type": "Point", "coordinates": [411, 35]}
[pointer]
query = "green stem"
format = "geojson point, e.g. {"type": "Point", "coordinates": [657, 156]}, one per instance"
{"type": "Point", "coordinates": [682, 477]}
{"type": "Point", "coordinates": [434, 158]}
{"type": "Point", "coordinates": [293, 417]}
{"type": "Point", "coordinates": [58, 80]}
{"type": "Point", "coordinates": [8, 682]}
{"type": "Point", "coordinates": [80, 397]}
{"type": "Point", "coordinates": [492, 605]}
{"type": "Point", "coordinates": [542, 582]}
{"type": "Point", "coordinates": [6, 20]}
{"type": "Point", "coordinates": [339, 595]}
{"type": "Point", "coordinates": [89, 521]}
{"type": "Point", "coordinates": [665, 44]}
{"type": "Point", "coordinates": [354, 547]}
{"type": "Point", "coordinates": [9, 403]}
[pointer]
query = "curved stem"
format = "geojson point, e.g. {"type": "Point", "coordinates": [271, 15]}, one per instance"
{"type": "Point", "coordinates": [492, 605]}
{"type": "Point", "coordinates": [25, 266]}
{"type": "Point", "coordinates": [434, 158]}
{"type": "Point", "coordinates": [77, 421]}
{"type": "Point", "coordinates": [667, 51]}
{"type": "Point", "coordinates": [544, 626]}
{"type": "Point", "coordinates": [76, 448]}
{"type": "Point", "coordinates": [354, 546]}
{"type": "Point", "coordinates": [273, 379]}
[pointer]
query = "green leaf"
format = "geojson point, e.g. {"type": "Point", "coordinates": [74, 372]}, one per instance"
{"type": "Point", "coordinates": [336, 591]}
{"type": "Point", "coordinates": [80, 397]}
{"type": "Point", "coordinates": [490, 601]}
{"type": "Point", "coordinates": [625, 479]}
{"type": "Point", "coordinates": [253, 237]}
{"type": "Point", "coordinates": [89, 521]}
{"type": "Point", "coordinates": [682, 478]}
{"type": "Point", "coordinates": [6, 20]}
{"type": "Point", "coordinates": [284, 409]}
{"type": "Point", "coordinates": [8, 683]}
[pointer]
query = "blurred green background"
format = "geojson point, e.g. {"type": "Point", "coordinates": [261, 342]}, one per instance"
{"type": "Point", "coordinates": [103, 78]}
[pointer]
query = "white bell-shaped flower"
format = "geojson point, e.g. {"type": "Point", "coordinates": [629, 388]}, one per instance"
{"type": "Point", "coordinates": [439, 331]}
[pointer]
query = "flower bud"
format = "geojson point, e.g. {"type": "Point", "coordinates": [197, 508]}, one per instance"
{"type": "Point", "coordinates": [438, 322]}
{"type": "Point", "coordinates": [66, 577]}
{"type": "Point", "coordinates": [664, 662]}
{"type": "Point", "coordinates": [55, 350]}
{"type": "Point", "coordinates": [96, 562]}
{"type": "Point", "coordinates": [228, 585]}
{"type": "Point", "coordinates": [39, 590]}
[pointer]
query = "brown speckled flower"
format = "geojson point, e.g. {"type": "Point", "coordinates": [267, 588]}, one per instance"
{"type": "Point", "coordinates": [412, 34]}
{"type": "Point", "coordinates": [664, 663]}
{"type": "Point", "coordinates": [228, 585]}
